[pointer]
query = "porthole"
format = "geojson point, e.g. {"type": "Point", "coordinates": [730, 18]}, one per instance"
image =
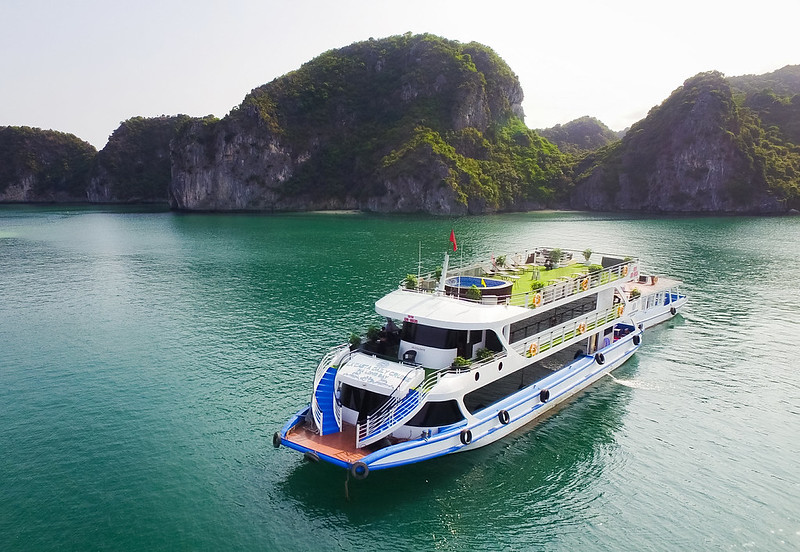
{"type": "Point", "coordinates": [499, 366]}
{"type": "Point", "coordinates": [477, 376]}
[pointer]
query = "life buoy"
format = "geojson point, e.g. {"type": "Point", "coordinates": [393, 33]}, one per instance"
{"type": "Point", "coordinates": [581, 328]}
{"type": "Point", "coordinates": [544, 395]}
{"type": "Point", "coordinates": [533, 349]}
{"type": "Point", "coordinates": [620, 310]}
{"type": "Point", "coordinates": [276, 440]}
{"type": "Point", "coordinates": [584, 284]}
{"type": "Point", "coordinates": [466, 436]}
{"type": "Point", "coordinates": [503, 417]}
{"type": "Point", "coordinates": [625, 270]}
{"type": "Point", "coordinates": [359, 470]}
{"type": "Point", "coordinates": [673, 311]}
{"type": "Point", "coordinates": [655, 280]}
{"type": "Point", "coordinates": [636, 339]}
{"type": "Point", "coordinates": [537, 300]}
{"type": "Point", "coordinates": [600, 358]}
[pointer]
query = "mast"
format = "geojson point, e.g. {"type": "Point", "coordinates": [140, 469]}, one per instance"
{"type": "Point", "coordinates": [440, 287]}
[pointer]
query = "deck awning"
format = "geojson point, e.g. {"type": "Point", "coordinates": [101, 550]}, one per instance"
{"type": "Point", "coordinates": [379, 375]}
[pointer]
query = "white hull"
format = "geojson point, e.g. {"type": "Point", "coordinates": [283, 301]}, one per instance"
{"type": "Point", "coordinates": [523, 409]}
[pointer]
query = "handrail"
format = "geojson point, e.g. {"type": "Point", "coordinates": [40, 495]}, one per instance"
{"type": "Point", "coordinates": [396, 408]}
{"type": "Point", "coordinates": [554, 291]}
{"type": "Point", "coordinates": [568, 332]}
{"type": "Point", "coordinates": [323, 366]}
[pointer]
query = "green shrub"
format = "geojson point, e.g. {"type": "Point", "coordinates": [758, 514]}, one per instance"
{"type": "Point", "coordinates": [474, 293]}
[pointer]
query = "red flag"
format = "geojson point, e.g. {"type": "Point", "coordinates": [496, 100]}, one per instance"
{"type": "Point", "coordinates": [453, 239]}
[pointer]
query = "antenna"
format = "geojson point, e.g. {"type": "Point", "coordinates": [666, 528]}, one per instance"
{"type": "Point", "coordinates": [419, 261]}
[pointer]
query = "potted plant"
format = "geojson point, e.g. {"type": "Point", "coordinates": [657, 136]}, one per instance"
{"type": "Point", "coordinates": [555, 256]}
{"type": "Point", "coordinates": [587, 253]}
{"type": "Point", "coordinates": [635, 293]}
{"type": "Point", "coordinates": [411, 282]}
{"type": "Point", "coordinates": [474, 293]}
{"type": "Point", "coordinates": [460, 362]}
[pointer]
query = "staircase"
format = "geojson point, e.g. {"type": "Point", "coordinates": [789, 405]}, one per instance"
{"type": "Point", "coordinates": [393, 414]}
{"type": "Point", "coordinates": [323, 395]}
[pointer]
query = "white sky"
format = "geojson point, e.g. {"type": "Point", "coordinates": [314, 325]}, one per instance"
{"type": "Point", "coordinates": [85, 66]}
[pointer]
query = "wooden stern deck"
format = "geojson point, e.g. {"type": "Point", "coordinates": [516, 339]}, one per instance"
{"type": "Point", "coordinates": [341, 446]}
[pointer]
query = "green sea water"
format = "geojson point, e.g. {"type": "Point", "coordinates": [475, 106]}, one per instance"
{"type": "Point", "coordinates": [147, 357]}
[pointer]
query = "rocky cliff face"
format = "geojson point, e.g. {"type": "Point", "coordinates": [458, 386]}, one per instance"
{"type": "Point", "coordinates": [697, 152]}
{"type": "Point", "coordinates": [43, 165]}
{"type": "Point", "coordinates": [134, 166]}
{"type": "Point", "coordinates": [374, 126]}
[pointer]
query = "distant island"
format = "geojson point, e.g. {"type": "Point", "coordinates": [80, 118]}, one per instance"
{"type": "Point", "coordinates": [419, 123]}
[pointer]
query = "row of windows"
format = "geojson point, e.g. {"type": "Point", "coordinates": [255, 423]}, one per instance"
{"type": "Point", "coordinates": [546, 320]}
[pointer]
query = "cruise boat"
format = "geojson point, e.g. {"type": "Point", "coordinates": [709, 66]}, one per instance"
{"type": "Point", "coordinates": [654, 299]}
{"type": "Point", "coordinates": [468, 356]}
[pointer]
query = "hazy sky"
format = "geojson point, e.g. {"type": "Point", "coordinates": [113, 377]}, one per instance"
{"type": "Point", "coordinates": [85, 66]}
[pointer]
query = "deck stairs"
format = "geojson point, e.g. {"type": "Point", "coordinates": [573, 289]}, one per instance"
{"type": "Point", "coordinates": [393, 414]}
{"type": "Point", "coordinates": [327, 413]}
{"type": "Point", "coordinates": [323, 395]}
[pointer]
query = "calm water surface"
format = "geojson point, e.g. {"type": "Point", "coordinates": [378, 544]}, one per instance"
{"type": "Point", "coordinates": [146, 358]}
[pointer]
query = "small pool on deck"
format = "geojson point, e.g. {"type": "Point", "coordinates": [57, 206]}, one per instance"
{"type": "Point", "coordinates": [459, 285]}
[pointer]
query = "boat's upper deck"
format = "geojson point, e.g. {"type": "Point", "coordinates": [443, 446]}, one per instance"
{"type": "Point", "coordinates": [469, 297]}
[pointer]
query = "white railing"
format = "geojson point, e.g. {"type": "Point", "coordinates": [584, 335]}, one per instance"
{"type": "Point", "coordinates": [568, 333]}
{"type": "Point", "coordinates": [324, 364]}
{"type": "Point", "coordinates": [393, 412]}
{"type": "Point", "coordinates": [555, 291]}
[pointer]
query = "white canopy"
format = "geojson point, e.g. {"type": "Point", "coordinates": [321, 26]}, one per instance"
{"type": "Point", "coordinates": [379, 375]}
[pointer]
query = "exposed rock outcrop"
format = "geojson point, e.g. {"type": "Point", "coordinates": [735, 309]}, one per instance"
{"type": "Point", "coordinates": [378, 125]}
{"type": "Point", "coordinates": [134, 166]}
{"type": "Point", "coordinates": [697, 152]}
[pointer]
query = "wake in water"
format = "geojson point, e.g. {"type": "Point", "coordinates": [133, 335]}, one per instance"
{"type": "Point", "coordinates": [635, 384]}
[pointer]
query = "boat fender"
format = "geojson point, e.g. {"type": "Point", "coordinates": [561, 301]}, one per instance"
{"type": "Point", "coordinates": [673, 311]}
{"type": "Point", "coordinates": [636, 340]}
{"type": "Point", "coordinates": [544, 396]}
{"type": "Point", "coordinates": [311, 456]}
{"type": "Point", "coordinates": [276, 440]}
{"type": "Point", "coordinates": [578, 354]}
{"type": "Point", "coordinates": [359, 470]}
{"type": "Point", "coordinates": [466, 436]}
{"type": "Point", "coordinates": [600, 358]}
{"type": "Point", "coordinates": [503, 417]}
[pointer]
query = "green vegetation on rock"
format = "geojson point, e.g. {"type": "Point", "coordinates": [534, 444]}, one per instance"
{"type": "Point", "coordinates": [580, 136]}
{"type": "Point", "coordinates": [43, 165]}
{"type": "Point", "coordinates": [382, 123]}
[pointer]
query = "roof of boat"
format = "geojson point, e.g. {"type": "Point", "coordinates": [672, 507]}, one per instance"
{"type": "Point", "coordinates": [648, 288]}
{"type": "Point", "coordinates": [446, 311]}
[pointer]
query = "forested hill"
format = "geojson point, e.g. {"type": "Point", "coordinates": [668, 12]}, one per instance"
{"type": "Point", "coordinates": [418, 123]}
{"type": "Point", "coordinates": [707, 148]}
{"type": "Point", "coordinates": [43, 165]}
{"type": "Point", "coordinates": [580, 135]}
{"type": "Point", "coordinates": [411, 123]}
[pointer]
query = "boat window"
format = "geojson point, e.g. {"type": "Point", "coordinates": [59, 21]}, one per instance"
{"type": "Point", "coordinates": [430, 336]}
{"type": "Point", "coordinates": [437, 414]}
{"type": "Point", "coordinates": [505, 386]}
{"type": "Point", "coordinates": [545, 320]}
{"type": "Point", "coordinates": [493, 342]}
{"type": "Point", "coordinates": [362, 401]}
